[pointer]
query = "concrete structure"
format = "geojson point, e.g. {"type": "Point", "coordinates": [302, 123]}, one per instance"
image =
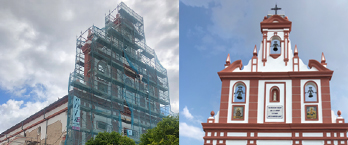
{"type": "Point", "coordinates": [275, 98]}
{"type": "Point", "coordinates": [48, 126]}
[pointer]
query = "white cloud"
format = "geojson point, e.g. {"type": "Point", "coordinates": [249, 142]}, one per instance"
{"type": "Point", "coordinates": [14, 111]}
{"type": "Point", "coordinates": [187, 113]}
{"type": "Point", "coordinates": [191, 131]}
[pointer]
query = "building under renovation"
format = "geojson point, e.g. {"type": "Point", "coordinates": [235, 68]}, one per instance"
{"type": "Point", "coordinates": [118, 84]}
{"type": "Point", "coordinates": [118, 81]}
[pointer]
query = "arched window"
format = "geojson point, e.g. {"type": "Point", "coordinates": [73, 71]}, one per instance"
{"type": "Point", "coordinates": [311, 92]}
{"type": "Point", "coordinates": [239, 92]}
{"type": "Point", "coordinates": [274, 94]}
{"type": "Point", "coordinates": [275, 45]}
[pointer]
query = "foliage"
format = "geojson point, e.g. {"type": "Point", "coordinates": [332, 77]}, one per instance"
{"type": "Point", "coordinates": [165, 133]}
{"type": "Point", "coordinates": [110, 138]}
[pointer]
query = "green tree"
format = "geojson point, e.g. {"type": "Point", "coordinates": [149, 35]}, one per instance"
{"type": "Point", "coordinates": [110, 138]}
{"type": "Point", "coordinates": [165, 133]}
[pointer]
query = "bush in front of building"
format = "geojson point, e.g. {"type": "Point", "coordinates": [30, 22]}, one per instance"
{"type": "Point", "coordinates": [110, 138]}
{"type": "Point", "coordinates": [165, 133]}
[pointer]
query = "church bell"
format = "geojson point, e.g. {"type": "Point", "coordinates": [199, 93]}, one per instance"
{"type": "Point", "coordinates": [275, 46]}
{"type": "Point", "coordinates": [239, 96]}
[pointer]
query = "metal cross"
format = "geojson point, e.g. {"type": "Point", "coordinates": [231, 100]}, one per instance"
{"type": "Point", "coordinates": [276, 8]}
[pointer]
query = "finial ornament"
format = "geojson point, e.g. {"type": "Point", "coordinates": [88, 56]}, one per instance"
{"type": "Point", "coordinates": [255, 51]}
{"type": "Point", "coordinates": [296, 51]}
{"type": "Point", "coordinates": [323, 57]}
{"type": "Point", "coordinates": [276, 9]}
{"type": "Point", "coordinates": [228, 61]}
{"type": "Point", "coordinates": [339, 113]}
{"type": "Point", "coordinates": [212, 113]}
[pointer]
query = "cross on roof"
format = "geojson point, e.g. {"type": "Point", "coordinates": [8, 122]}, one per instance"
{"type": "Point", "coordinates": [275, 9]}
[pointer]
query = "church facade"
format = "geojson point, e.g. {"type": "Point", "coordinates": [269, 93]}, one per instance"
{"type": "Point", "coordinates": [275, 99]}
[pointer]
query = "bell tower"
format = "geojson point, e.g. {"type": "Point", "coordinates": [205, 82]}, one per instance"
{"type": "Point", "coordinates": [275, 30]}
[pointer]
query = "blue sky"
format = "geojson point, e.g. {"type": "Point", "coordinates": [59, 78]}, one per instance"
{"type": "Point", "coordinates": [211, 29]}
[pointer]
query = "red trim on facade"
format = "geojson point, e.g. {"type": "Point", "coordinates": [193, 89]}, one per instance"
{"type": "Point", "coordinates": [326, 100]}
{"type": "Point", "coordinates": [275, 75]}
{"type": "Point", "coordinates": [296, 101]}
{"type": "Point", "coordinates": [233, 66]}
{"type": "Point", "coordinates": [317, 65]}
{"type": "Point", "coordinates": [233, 91]}
{"type": "Point", "coordinates": [253, 101]}
{"type": "Point", "coordinates": [304, 92]}
{"type": "Point", "coordinates": [224, 102]}
{"type": "Point", "coordinates": [281, 24]}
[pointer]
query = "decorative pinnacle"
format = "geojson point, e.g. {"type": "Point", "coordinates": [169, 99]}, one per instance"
{"type": "Point", "coordinates": [228, 60]}
{"type": "Point", "coordinates": [296, 51]}
{"type": "Point", "coordinates": [255, 51]}
{"type": "Point", "coordinates": [212, 113]}
{"type": "Point", "coordinates": [339, 113]}
{"type": "Point", "coordinates": [323, 60]}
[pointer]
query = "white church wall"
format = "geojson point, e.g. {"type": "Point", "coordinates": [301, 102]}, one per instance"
{"type": "Point", "coordinates": [287, 109]}
{"type": "Point", "coordinates": [236, 142]}
{"type": "Point", "coordinates": [274, 142]}
{"type": "Point", "coordinates": [246, 104]}
{"type": "Point", "coordinates": [312, 142]}
{"type": "Point", "coordinates": [319, 111]}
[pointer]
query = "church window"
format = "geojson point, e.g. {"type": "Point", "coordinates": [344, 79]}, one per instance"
{"type": "Point", "coordinates": [239, 93]}
{"type": "Point", "coordinates": [238, 112]}
{"type": "Point", "coordinates": [274, 94]}
{"type": "Point", "coordinates": [275, 48]}
{"type": "Point", "coordinates": [311, 112]}
{"type": "Point", "coordinates": [311, 92]}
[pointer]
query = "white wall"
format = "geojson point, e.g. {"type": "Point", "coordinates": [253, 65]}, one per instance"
{"type": "Point", "coordinates": [261, 100]}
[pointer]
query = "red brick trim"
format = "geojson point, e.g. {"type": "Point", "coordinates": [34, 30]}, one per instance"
{"type": "Point", "coordinates": [275, 75]}
{"type": "Point", "coordinates": [233, 66]}
{"type": "Point", "coordinates": [253, 101]}
{"type": "Point", "coordinates": [296, 101]}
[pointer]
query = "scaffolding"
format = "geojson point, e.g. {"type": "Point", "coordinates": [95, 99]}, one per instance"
{"type": "Point", "coordinates": [118, 78]}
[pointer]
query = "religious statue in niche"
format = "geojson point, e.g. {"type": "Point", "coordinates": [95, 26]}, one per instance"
{"type": "Point", "coordinates": [274, 95]}
{"type": "Point", "coordinates": [311, 112]}
{"type": "Point", "coordinates": [238, 112]}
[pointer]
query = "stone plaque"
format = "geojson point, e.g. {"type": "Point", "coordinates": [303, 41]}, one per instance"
{"type": "Point", "coordinates": [275, 112]}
